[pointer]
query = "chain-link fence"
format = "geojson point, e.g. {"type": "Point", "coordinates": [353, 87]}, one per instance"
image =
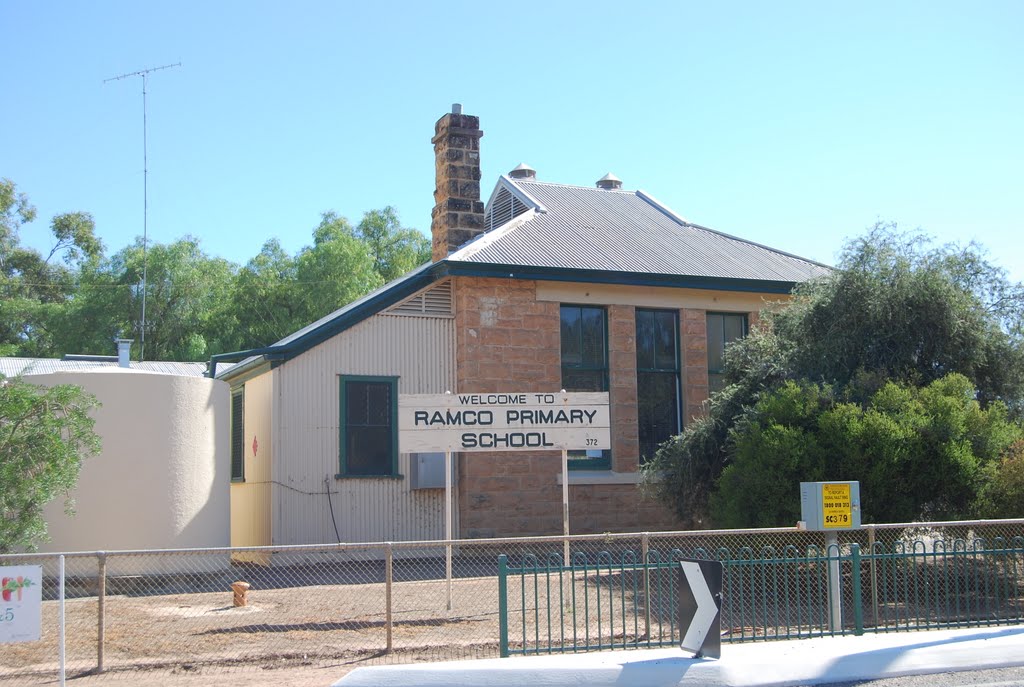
{"type": "Point", "coordinates": [394, 602]}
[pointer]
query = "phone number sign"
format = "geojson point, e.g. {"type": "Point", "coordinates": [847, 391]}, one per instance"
{"type": "Point", "coordinates": [21, 603]}
{"type": "Point", "coordinates": [836, 506]}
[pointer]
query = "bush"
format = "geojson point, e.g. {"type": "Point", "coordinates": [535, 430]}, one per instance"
{"type": "Point", "coordinates": [917, 452]}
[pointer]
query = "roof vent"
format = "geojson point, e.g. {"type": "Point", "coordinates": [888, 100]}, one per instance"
{"type": "Point", "coordinates": [124, 350]}
{"type": "Point", "coordinates": [609, 182]}
{"type": "Point", "coordinates": [523, 171]}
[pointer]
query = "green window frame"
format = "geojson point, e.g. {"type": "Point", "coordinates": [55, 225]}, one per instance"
{"type": "Point", "coordinates": [722, 329]}
{"type": "Point", "coordinates": [238, 435]}
{"type": "Point", "coordinates": [584, 356]}
{"type": "Point", "coordinates": [368, 426]}
{"type": "Point", "coordinates": [659, 391]}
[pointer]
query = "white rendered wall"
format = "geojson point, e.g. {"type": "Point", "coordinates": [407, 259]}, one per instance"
{"type": "Point", "coordinates": [162, 477]}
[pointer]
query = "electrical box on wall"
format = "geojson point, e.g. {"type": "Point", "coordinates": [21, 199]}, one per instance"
{"type": "Point", "coordinates": [828, 506]}
{"type": "Point", "coordinates": [426, 470]}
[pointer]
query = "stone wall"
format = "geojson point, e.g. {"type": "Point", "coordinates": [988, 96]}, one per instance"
{"type": "Point", "coordinates": [694, 344]}
{"type": "Point", "coordinates": [458, 215]}
{"type": "Point", "coordinates": [507, 341]}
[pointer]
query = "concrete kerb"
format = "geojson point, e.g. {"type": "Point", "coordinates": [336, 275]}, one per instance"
{"type": "Point", "coordinates": [764, 664]}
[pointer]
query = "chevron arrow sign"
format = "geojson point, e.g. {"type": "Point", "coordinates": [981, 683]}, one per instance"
{"type": "Point", "coordinates": [700, 605]}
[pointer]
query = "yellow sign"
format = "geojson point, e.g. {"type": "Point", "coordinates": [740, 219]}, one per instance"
{"type": "Point", "coordinates": [836, 506]}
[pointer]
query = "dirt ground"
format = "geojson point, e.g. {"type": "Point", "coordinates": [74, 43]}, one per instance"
{"type": "Point", "coordinates": [213, 676]}
{"type": "Point", "coordinates": [292, 636]}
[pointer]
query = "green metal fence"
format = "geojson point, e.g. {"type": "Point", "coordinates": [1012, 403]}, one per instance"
{"type": "Point", "coordinates": [626, 599]}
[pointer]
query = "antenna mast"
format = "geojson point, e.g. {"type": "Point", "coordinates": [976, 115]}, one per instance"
{"type": "Point", "coordinates": [144, 73]}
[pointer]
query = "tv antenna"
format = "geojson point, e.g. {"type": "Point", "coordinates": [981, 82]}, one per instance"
{"type": "Point", "coordinates": [144, 73]}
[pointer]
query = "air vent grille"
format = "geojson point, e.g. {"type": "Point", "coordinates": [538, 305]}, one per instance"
{"type": "Point", "coordinates": [434, 302]}
{"type": "Point", "coordinates": [504, 209]}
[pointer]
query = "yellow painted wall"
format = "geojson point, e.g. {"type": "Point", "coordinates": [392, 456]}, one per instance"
{"type": "Point", "coordinates": [251, 509]}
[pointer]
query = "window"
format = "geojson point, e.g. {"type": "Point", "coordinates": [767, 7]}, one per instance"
{"type": "Point", "coordinates": [238, 435]}
{"type": "Point", "coordinates": [369, 427]}
{"type": "Point", "coordinates": [723, 328]}
{"type": "Point", "coordinates": [585, 366]}
{"type": "Point", "coordinates": [657, 378]}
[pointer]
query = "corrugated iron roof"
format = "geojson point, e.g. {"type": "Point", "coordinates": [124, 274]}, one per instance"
{"type": "Point", "coordinates": [12, 367]}
{"type": "Point", "coordinates": [585, 228]}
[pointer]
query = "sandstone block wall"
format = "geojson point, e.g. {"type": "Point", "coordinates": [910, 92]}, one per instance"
{"type": "Point", "coordinates": [507, 341]}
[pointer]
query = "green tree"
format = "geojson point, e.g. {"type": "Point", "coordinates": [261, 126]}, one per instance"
{"type": "Point", "coordinates": [264, 301]}
{"type": "Point", "coordinates": [15, 210]}
{"type": "Point", "coordinates": [396, 250]}
{"type": "Point", "coordinates": [45, 434]}
{"type": "Point", "coordinates": [896, 309]}
{"type": "Point", "coordinates": [36, 290]}
{"type": "Point", "coordinates": [185, 292]}
{"type": "Point", "coordinates": [276, 294]}
{"type": "Point", "coordinates": [927, 451]}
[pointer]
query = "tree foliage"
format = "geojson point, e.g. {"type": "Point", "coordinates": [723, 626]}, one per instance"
{"type": "Point", "coordinates": [917, 452]}
{"type": "Point", "coordinates": [45, 434]}
{"type": "Point", "coordinates": [76, 299]}
{"type": "Point", "coordinates": [896, 310]}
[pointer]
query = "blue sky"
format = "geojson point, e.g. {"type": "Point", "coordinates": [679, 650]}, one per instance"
{"type": "Point", "coordinates": [793, 124]}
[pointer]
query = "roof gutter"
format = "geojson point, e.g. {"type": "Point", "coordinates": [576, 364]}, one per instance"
{"type": "Point", "coordinates": [481, 269]}
{"type": "Point", "coordinates": [270, 353]}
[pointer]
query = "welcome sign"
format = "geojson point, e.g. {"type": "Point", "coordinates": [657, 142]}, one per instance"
{"type": "Point", "coordinates": [503, 422]}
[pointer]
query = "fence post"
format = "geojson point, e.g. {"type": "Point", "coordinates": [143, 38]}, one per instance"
{"type": "Point", "coordinates": [388, 579]}
{"type": "Point", "coordinates": [874, 575]}
{"type": "Point", "coordinates": [858, 609]}
{"type": "Point", "coordinates": [503, 605]}
{"type": "Point", "coordinates": [101, 609]}
{"type": "Point", "coordinates": [835, 599]}
{"type": "Point", "coordinates": [645, 547]}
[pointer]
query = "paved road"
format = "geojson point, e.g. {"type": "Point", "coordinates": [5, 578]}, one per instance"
{"type": "Point", "coordinates": [1000, 677]}
{"type": "Point", "coordinates": [942, 654]}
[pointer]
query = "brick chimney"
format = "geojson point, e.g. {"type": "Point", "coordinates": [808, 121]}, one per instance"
{"type": "Point", "coordinates": [458, 215]}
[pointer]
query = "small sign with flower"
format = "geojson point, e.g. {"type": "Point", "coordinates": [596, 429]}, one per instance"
{"type": "Point", "coordinates": [21, 603]}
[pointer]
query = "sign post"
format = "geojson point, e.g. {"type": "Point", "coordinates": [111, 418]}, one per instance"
{"type": "Point", "coordinates": [502, 422]}
{"type": "Point", "coordinates": [565, 507]}
{"type": "Point", "coordinates": [830, 507]}
{"type": "Point", "coordinates": [448, 523]}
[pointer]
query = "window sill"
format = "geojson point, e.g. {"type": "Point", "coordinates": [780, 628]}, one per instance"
{"type": "Point", "coordinates": [600, 477]}
{"type": "Point", "coordinates": [238, 480]}
{"type": "Point", "coordinates": [340, 476]}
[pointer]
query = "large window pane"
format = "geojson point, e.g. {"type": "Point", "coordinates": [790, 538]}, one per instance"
{"type": "Point", "coordinates": [584, 331]}
{"type": "Point", "coordinates": [723, 329]}
{"type": "Point", "coordinates": [572, 353]}
{"type": "Point", "coordinates": [583, 380]}
{"type": "Point", "coordinates": [238, 436]}
{"type": "Point", "coordinates": [368, 445]}
{"type": "Point", "coordinates": [595, 351]}
{"type": "Point", "coordinates": [665, 355]}
{"type": "Point", "coordinates": [658, 388]}
{"type": "Point", "coordinates": [645, 339]}
{"type": "Point", "coordinates": [658, 410]}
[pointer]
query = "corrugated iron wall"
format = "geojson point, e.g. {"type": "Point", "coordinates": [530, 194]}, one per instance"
{"type": "Point", "coordinates": [420, 351]}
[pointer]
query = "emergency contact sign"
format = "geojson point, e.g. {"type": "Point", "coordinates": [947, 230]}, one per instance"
{"type": "Point", "coordinates": [836, 506]}
{"type": "Point", "coordinates": [828, 506]}
{"type": "Point", "coordinates": [503, 422]}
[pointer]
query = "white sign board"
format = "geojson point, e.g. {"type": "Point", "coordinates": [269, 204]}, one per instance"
{"type": "Point", "coordinates": [21, 603]}
{"type": "Point", "coordinates": [503, 422]}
